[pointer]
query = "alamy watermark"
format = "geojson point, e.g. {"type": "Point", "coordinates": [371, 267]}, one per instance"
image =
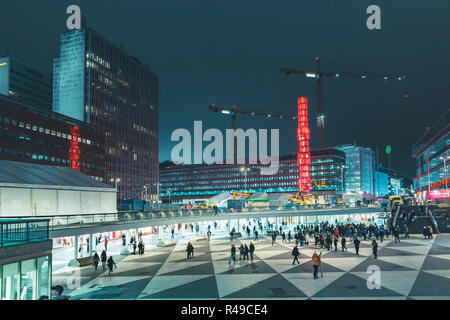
{"type": "Point", "coordinates": [213, 153]}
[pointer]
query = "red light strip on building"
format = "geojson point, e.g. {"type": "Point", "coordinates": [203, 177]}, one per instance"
{"type": "Point", "coordinates": [303, 156]}
{"type": "Point", "coordinates": [74, 151]}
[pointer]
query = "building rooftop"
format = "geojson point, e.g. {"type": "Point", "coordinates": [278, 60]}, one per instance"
{"type": "Point", "coordinates": [21, 173]}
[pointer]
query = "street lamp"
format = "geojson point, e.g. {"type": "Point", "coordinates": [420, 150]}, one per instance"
{"type": "Point", "coordinates": [445, 172]}
{"type": "Point", "coordinates": [245, 170]}
{"type": "Point", "coordinates": [116, 181]}
{"type": "Point", "coordinates": [157, 188]}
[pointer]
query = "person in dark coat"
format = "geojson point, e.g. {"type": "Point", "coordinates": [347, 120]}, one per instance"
{"type": "Point", "coordinates": [356, 242]}
{"type": "Point", "coordinates": [343, 242]}
{"type": "Point", "coordinates": [190, 250]}
{"type": "Point", "coordinates": [103, 258]}
{"type": "Point", "coordinates": [233, 254]}
{"type": "Point", "coordinates": [111, 264]}
{"type": "Point", "coordinates": [335, 242]}
{"type": "Point", "coordinates": [295, 253]}
{"type": "Point", "coordinates": [95, 260]}
{"type": "Point", "coordinates": [374, 248]}
{"type": "Point", "coordinates": [274, 237]}
{"type": "Point", "coordinates": [251, 250]}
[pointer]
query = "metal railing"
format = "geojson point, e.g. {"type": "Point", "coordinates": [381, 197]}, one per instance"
{"type": "Point", "coordinates": [17, 231]}
{"type": "Point", "coordinates": [62, 222]}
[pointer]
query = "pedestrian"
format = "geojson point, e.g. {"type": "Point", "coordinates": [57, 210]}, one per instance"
{"type": "Point", "coordinates": [396, 235]}
{"type": "Point", "coordinates": [103, 258]}
{"type": "Point", "coordinates": [95, 260]}
{"type": "Point", "coordinates": [343, 242]}
{"type": "Point", "coordinates": [241, 252]}
{"type": "Point", "coordinates": [190, 250]}
{"type": "Point", "coordinates": [320, 267]}
{"type": "Point", "coordinates": [251, 250]}
{"type": "Point", "coordinates": [356, 242]}
{"type": "Point", "coordinates": [111, 264]}
{"type": "Point", "coordinates": [141, 248]}
{"type": "Point", "coordinates": [233, 254]}
{"type": "Point", "coordinates": [209, 235]}
{"type": "Point", "coordinates": [406, 232]}
{"type": "Point", "coordinates": [173, 233]}
{"type": "Point", "coordinates": [134, 247]}
{"type": "Point", "coordinates": [256, 235]}
{"type": "Point", "coordinates": [315, 265]}
{"type": "Point", "coordinates": [430, 232]}
{"type": "Point", "coordinates": [289, 236]}
{"type": "Point", "coordinates": [283, 235]}
{"type": "Point", "coordinates": [374, 248]}
{"type": "Point", "coordinates": [246, 252]}
{"type": "Point", "coordinates": [335, 242]}
{"type": "Point", "coordinates": [231, 234]}
{"type": "Point", "coordinates": [274, 237]}
{"type": "Point", "coordinates": [106, 243]}
{"type": "Point", "coordinates": [295, 253]}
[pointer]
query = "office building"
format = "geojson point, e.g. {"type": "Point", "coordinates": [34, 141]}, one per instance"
{"type": "Point", "coordinates": [30, 134]}
{"type": "Point", "coordinates": [359, 170]}
{"type": "Point", "coordinates": [26, 84]}
{"type": "Point", "coordinates": [432, 154]}
{"type": "Point", "coordinates": [203, 181]}
{"type": "Point", "coordinates": [98, 83]}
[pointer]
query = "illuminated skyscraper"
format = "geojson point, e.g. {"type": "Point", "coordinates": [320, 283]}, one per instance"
{"type": "Point", "coordinates": [25, 84]}
{"type": "Point", "coordinates": [97, 82]}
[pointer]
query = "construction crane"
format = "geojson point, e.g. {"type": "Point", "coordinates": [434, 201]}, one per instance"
{"type": "Point", "coordinates": [432, 92]}
{"type": "Point", "coordinates": [319, 74]}
{"type": "Point", "coordinates": [234, 110]}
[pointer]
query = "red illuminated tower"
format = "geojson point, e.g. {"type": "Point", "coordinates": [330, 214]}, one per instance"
{"type": "Point", "coordinates": [303, 156]}
{"type": "Point", "coordinates": [74, 151]}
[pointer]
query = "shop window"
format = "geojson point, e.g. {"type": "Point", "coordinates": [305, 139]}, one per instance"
{"type": "Point", "coordinates": [28, 279]}
{"type": "Point", "coordinates": [10, 281]}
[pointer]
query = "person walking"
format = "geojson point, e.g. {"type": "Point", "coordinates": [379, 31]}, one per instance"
{"type": "Point", "coordinates": [320, 267]}
{"type": "Point", "coordinates": [190, 250]}
{"type": "Point", "coordinates": [274, 237]}
{"type": "Point", "coordinates": [246, 252]}
{"type": "Point", "coordinates": [231, 234]}
{"type": "Point", "coordinates": [335, 242]}
{"type": "Point", "coordinates": [356, 242]}
{"type": "Point", "coordinates": [111, 264]}
{"type": "Point", "coordinates": [343, 242]}
{"type": "Point", "coordinates": [141, 248]}
{"type": "Point", "coordinates": [209, 235]}
{"type": "Point", "coordinates": [103, 259]}
{"type": "Point", "coordinates": [289, 236]}
{"type": "Point", "coordinates": [396, 235]}
{"type": "Point", "coordinates": [95, 260]}
{"type": "Point", "coordinates": [251, 250]}
{"type": "Point", "coordinates": [256, 235]}
{"type": "Point", "coordinates": [406, 232]}
{"type": "Point", "coordinates": [374, 248]}
{"type": "Point", "coordinates": [233, 254]}
{"type": "Point", "coordinates": [134, 247]}
{"type": "Point", "coordinates": [295, 253]}
{"type": "Point", "coordinates": [315, 265]}
{"type": "Point", "coordinates": [106, 243]}
{"type": "Point", "coordinates": [241, 252]}
{"type": "Point", "coordinates": [283, 236]}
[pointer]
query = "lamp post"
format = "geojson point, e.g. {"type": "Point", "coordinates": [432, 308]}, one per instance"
{"type": "Point", "coordinates": [445, 172]}
{"type": "Point", "coordinates": [117, 180]}
{"type": "Point", "coordinates": [157, 189]}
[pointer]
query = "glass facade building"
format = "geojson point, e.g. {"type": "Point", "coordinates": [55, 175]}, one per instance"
{"type": "Point", "coordinates": [98, 83]}
{"type": "Point", "coordinates": [432, 154]}
{"type": "Point", "coordinates": [29, 134]}
{"type": "Point", "coordinates": [24, 83]}
{"type": "Point", "coordinates": [360, 169]}
{"type": "Point", "coordinates": [202, 180]}
{"type": "Point", "coordinates": [25, 259]}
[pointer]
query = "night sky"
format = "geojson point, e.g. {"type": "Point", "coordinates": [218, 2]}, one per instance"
{"type": "Point", "coordinates": [231, 52]}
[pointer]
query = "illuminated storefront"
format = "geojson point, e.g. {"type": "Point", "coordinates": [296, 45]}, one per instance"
{"type": "Point", "coordinates": [432, 154]}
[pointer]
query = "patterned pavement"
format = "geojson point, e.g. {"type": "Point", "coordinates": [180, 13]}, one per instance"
{"type": "Point", "coordinates": [411, 269]}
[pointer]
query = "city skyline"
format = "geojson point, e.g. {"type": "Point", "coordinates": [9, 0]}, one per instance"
{"type": "Point", "coordinates": [197, 61]}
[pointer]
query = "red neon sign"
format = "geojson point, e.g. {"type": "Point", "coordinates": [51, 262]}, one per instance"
{"type": "Point", "coordinates": [74, 150]}
{"type": "Point", "coordinates": [303, 156]}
